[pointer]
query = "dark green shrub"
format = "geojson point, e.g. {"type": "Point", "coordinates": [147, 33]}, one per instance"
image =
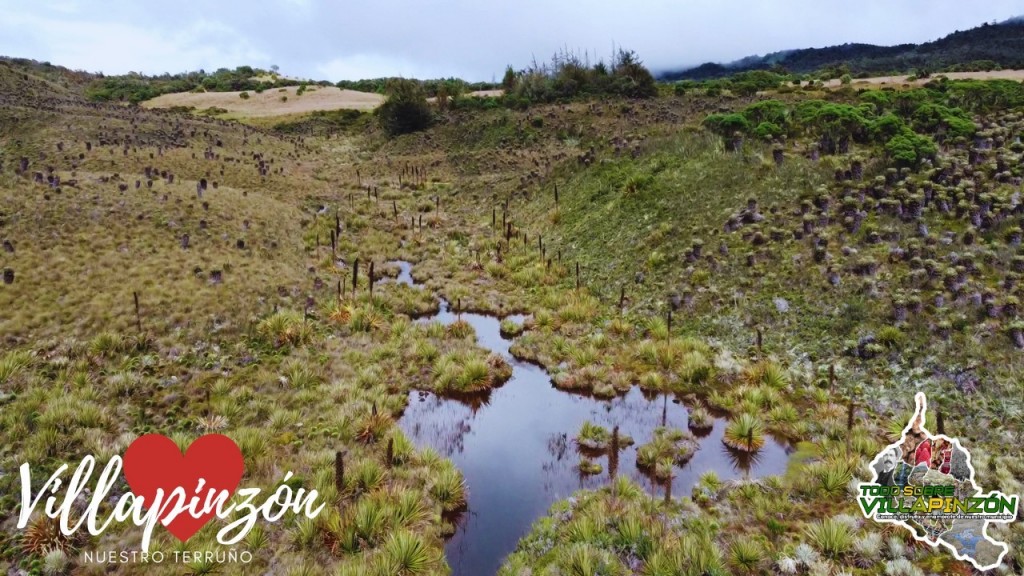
{"type": "Point", "coordinates": [406, 109]}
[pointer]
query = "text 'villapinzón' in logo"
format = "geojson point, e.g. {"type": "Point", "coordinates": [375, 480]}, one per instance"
{"type": "Point", "coordinates": [925, 483]}
{"type": "Point", "coordinates": [181, 492]}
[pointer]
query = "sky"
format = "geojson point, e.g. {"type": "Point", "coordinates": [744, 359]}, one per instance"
{"type": "Point", "coordinates": [472, 39]}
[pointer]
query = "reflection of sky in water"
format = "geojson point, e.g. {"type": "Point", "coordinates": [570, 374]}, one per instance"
{"type": "Point", "coordinates": [516, 450]}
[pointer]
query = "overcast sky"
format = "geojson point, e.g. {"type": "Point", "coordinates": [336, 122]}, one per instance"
{"type": "Point", "coordinates": [472, 39]}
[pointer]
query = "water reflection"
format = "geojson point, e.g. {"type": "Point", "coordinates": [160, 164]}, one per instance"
{"type": "Point", "coordinates": [516, 449]}
{"type": "Point", "coordinates": [515, 446]}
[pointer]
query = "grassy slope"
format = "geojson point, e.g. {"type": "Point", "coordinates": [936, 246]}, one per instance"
{"type": "Point", "coordinates": [623, 217]}
{"type": "Point", "coordinates": [77, 379]}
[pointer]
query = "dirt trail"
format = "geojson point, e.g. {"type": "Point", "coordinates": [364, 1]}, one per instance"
{"type": "Point", "coordinates": [992, 75]}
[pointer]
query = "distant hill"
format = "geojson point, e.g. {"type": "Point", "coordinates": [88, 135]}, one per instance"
{"type": "Point", "coordinates": [984, 47]}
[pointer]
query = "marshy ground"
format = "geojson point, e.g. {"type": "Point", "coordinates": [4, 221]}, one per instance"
{"type": "Point", "coordinates": [665, 264]}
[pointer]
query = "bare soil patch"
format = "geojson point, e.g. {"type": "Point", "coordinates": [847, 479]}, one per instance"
{"type": "Point", "coordinates": [272, 102]}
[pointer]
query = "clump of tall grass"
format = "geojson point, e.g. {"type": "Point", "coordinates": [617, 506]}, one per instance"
{"type": "Point", "coordinates": [365, 477]}
{"type": "Point", "coordinates": [284, 328]}
{"type": "Point", "coordinates": [462, 373]}
{"type": "Point", "coordinates": [410, 509]}
{"type": "Point", "coordinates": [669, 447]}
{"type": "Point", "coordinates": [902, 567]}
{"type": "Point", "coordinates": [833, 475]}
{"type": "Point", "coordinates": [632, 536]}
{"type": "Point", "coordinates": [868, 549]}
{"type": "Point", "coordinates": [745, 433]}
{"type": "Point", "coordinates": [402, 449]}
{"type": "Point", "coordinates": [831, 537]}
{"type": "Point", "coordinates": [460, 329]}
{"type": "Point", "coordinates": [425, 351]}
{"type": "Point", "coordinates": [695, 368]}
{"type": "Point", "coordinates": [406, 554]}
{"type": "Point", "coordinates": [13, 364]}
{"type": "Point", "coordinates": [589, 467]}
{"type": "Point", "coordinates": [372, 427]}
{"type": "Point", "coordinates": [55, 562]}
{"type": "Point", "coordinates": [370, 520]}
{"type": "Point", "coordinates": [43, 535]}
{"type": "Point", "coordinates": [448, 488]}
{"type": "Point", "coordinates": [746, 555]}
{"type": "Point", "coordinates": [366, 318]}
{"type": "Point", "coordinates": [108, 344]}
{"type": "Point", "coordinates": [301, 375]}
{"type": "Point", "coordinates": [305, 534]}
{"type": "Point", "coordinates": [768, 373]}
{"type": "Point", "coordinates": [700, 419]}
{"type": "Point", "coordinates": [593, 437]}
{"type": "Point", "coordinates": [584, 559]}
{"type": "Point", "coordinates": [579, 308]}
{"type": "Point", "coordinates": [510, 328]}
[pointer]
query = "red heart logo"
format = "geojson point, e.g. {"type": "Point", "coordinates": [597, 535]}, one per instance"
{"type": "Point", "coordinates": [154, 462]}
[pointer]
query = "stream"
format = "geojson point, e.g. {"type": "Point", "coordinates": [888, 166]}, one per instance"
{"type": "Point", "coordinates": [516, 450]}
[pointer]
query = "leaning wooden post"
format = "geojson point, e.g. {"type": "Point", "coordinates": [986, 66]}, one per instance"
{"type": "Point", "coordinates": [355, 277]}
{"type": "Point", "coordinates": [622, 299]}
{"type": "Point", "coordinates": [389, 455]}
{"type": "Point", "coordinates": [339, 471]}
{"type": "Point", "coordinates": [613, 455]}
{"type": "Point", "coordinates": [577, 275]}
{"type": "Point", "coordinates": [370, 278]}
{"type": "Point", "coordinates": [759, 343]}
{"type": "Point", "coordinates": [669, 323]}
{"type": "Point", "coordinates": [556, 194]}
{"type": "Point", "coordinates": [138, 315]}
{"type": "Point", "coordinates": [849, 422]}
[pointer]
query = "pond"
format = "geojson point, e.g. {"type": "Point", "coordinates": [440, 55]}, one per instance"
{"type": "Point", "coordinates": [515, 447]}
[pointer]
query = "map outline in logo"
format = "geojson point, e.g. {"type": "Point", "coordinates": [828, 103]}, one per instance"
{"type": "Point", "coordinates": [916, 426]}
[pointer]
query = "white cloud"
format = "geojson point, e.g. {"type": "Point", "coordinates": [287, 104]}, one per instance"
{"type": "Point", "coordinates": [117, 48]}
{"type": "Point", "coordinates": [360, 66]}
{"type": "Point", "coordinates": [472, 39]}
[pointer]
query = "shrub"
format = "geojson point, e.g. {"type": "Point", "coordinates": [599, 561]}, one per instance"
{"type": "Point", "coordinates": [406, 109]}
{"type": "Point", "coordinates": [726, 124]}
